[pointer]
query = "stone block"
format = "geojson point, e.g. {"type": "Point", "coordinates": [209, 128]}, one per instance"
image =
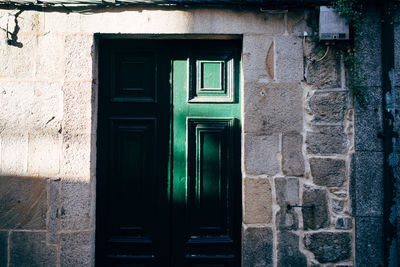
{"type": "Point", "coordinates": [289, 58]}
{"type": "Point", "coordinates": [369, 47]}
{"type": "Point", "coordinates": [195, 20]}
{"type": "Point", "coordinates": [59, 22]}
{"type": "Point", "coordinates": [324, 74]}
{"type": "Point", "coordinates": [256, 50]}
{"type": "Point", "coordinates": [53, 221]}
{"type": "Point", "coordinates": [396, 115]}
{"type": "Point", "coordinates": [292, 154]}
{"type": "Point", "coordinates": [49, 58]}
{"type": "Point", "coordinates": [260, 154]}
{"type": "Point", "coordinates": [368, 121]}
{"type": "Point", "coordinates": [30, 249]}
{"type": "Point", "coordinates": [257, 247]}
{"type": "Point", "coordinates": [140, 21]}
{"type": "Point", "coordinates": [329, 247]}
{"type": "Point", "coordinates": [328, 107]}
{"type": "Point", "coordinates": [30, 107]}
{"type": "Point", "coordinates": [78, 57]}
{"type": "Point", "coordinates": [76, 156]}
{"type": "Point", "coordinates": [44, 154]}
{"type": "Point", "coordinates": [344, 223]}
{"type": "Point", "coordinates": [46, 110]}
{"type": "Point", "coordinates": [369, 241]}
{"type": "Point", "coordinates": [327, 140]}
{"type": "Point", "coordinates": [328, 172]}
{"type": "Point", "coordinates": [287, 219]}
{"type": "Point", "coordinates": [3, 248]}
{"type": "Point", "coordinates": [338, 205]}
{"type": "Point", "coordinates": [339, 192]}
{"type": "Point", "coordinates": [23, 203]}
{"type": "Point", "coordinates": [296, 22]}
{"type": "Point", "coordinates": [77, 249]}
{"type": "Point", "coordinates": [219, 21]}
{"type": "Point", "coordinates": [367, 184]}
{"type": "Point", "coordinates": [287, 191]}
{"type": "Point", "coordinates": [272, 108]}
{"type": "Point", "coordinates": [289, 253]}
{"type": "Point", "coordinates": [75, 206]}
{"type": "Point", "coordinates": [316, 217]}
{"type": "Point", "coordinates": [16, 60]}
{"type": "Point", "coordinates": [397, 53]}
{"type": "Point", "coordinates": [77, 107]}
{"type": "Point", "coordinates": [14, 152]}
{"type": "Point", "coordinates": [257, 201]}
{"type": "Point", "coordinates": [15, 101]}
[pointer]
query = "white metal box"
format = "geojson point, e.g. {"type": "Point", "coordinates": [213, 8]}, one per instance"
{"type": "Point", "coordinates": [331, 25]}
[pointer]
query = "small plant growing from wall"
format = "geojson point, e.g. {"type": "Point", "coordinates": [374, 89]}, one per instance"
{"type": "Point", "coordinates": [352, 11]}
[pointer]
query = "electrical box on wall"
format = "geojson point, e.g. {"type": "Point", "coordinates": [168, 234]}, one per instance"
{"type": "Point", "coordinates": [331, 25]}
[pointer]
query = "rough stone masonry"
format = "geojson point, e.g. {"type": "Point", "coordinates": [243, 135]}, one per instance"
{"type": "Point", "coordinates": [297, 135]}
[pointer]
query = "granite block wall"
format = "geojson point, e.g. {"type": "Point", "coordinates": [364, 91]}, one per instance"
{"type": "Point", "coordinates": [297, 135]}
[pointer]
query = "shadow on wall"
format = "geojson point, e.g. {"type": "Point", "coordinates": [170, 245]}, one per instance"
{"type": "Point", "coordinates": [45, 221]}
{"type": "Point", "coordinates": [46, 129]}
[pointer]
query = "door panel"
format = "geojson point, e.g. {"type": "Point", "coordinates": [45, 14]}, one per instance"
{"type": "Point", "coordinates": [133, 159]}
{"type": "Point", "coordinates": [209, 156]}
{"type": "Point", "coordinates": [206, 175]}
{"type": "Point", "coordinates": [132, 221]}
{"type": "Point", "coordinates": [212, 76]}
{"type": "Point", "coordinates": [134, 76]}
{"type": "Point", "coordinates": [168, 175]}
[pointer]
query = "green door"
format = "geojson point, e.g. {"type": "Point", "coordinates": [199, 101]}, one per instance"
{"type": "Point", "coordinates": [168, 153]}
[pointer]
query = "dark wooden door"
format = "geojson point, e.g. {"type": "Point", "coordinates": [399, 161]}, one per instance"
{"type": "Point", "coordinates": [168, 146]}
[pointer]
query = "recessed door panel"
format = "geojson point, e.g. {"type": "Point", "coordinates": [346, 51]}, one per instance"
{"type": "Point", "coordinates": [212, 76]}
{"type": "Point", "coordinates": [133, 160]}
{"type": "Point", "coordinates": [133, 75]}
{"type": "Point", "coordinates": [209, 159]}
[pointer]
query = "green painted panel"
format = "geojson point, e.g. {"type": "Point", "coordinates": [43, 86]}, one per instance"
{"type": "Point", "coordinates": [206, 155]}
{"type": "Point", "coordinates": [210, 75]}
{"type": "Point", "coordinates": [212, 78]}
{"type": "Point", "coordinates": [180, 111]}
{"type": "Point", "coordinates": [209, 171]}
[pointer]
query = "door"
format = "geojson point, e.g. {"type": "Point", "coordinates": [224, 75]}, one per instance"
{"type": "Point", "coordinates": [168, 153]}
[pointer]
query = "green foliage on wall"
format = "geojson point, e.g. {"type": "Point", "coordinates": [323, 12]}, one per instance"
{"type": "Point", "coordinates": [352, 10]}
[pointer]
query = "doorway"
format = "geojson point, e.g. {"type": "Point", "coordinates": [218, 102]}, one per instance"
{"type": "Point", "coordinates": [168, 153]}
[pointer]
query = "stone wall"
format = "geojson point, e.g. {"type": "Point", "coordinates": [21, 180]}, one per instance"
{"type": "Point", "coordinates": [298, 145]}
{"type": "Point", "coordinates": [367, 179]}
{"type": "Point", "coordinates": [297, 139]}
{"type": "Point", "coordinates": [367, 189]}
